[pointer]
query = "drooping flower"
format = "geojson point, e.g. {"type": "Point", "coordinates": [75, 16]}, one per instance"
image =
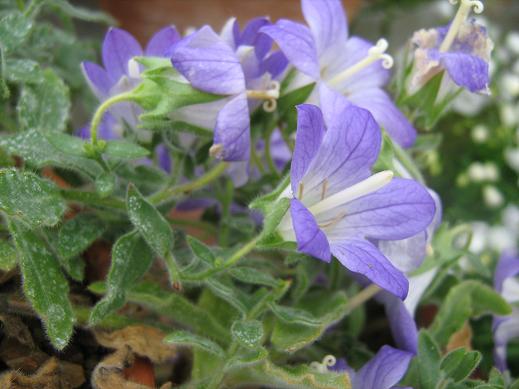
{"type": "Point", "coordinates": [383, 371]}
{"type": "Point", "coordinates": [350, 65]}
{"type": "Point", "coordinates": [506, 328]}
{"type": "Point", "coordinates": [462, 49]}
{"type": "Point", "coordinates": [338, 207]}
{"type": "Point", "coordinates": [121, 73]}
{"type": "Point", "coordinates": [239, 67]}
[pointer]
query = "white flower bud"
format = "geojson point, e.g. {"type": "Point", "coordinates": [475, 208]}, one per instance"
{"type": "Point", "coordinates": [512, 158]}
{"type": "Point", "coordinates": [509, 115]}
{"type": "Point", "coordinates": [480, 133]}
{"type": "Point", "coordinates": [492, 196]}
{"type": "Point", "coordinates": [512, 42]}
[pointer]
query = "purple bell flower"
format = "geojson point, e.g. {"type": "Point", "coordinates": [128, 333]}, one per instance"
{"type": "Point", "coordinates": [383, 371]}
{"type": "Point", "coordinates": [357, 69]}
{"type": "Point", "coordinates": [462, 49]}
{"type": "Point", "coordinates": [506, 328]}
{"type": "Point", "coordinates": [238, 66]}
{"type": "Point", "coordinates": [407, 255]}
{"type": "Point", "coordinates": [338, 207]}
{"type": "Point", "coordinates": [121, 73]}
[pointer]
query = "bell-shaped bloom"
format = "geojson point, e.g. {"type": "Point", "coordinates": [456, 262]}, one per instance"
{"type": "Point", "coordinates": [338, 206]}
{"type": "Point", "coordinates": [383, 371]}
{"type": "Point", "coordinates": [350, 65]}
{"type": "Point", "coordinates": [121, 73]}
{"type": "Point", "coordinates": [238, 66]}
{"type": "Point", "coordinates": [462, 49]}
{"type": "Point", "coordinates": [507, 327]}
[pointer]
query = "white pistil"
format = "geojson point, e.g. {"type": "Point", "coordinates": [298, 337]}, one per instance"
{"type": "Point", "coordinates": [369, 185]}
{"type": "Point", "coordinates": [134, 70]}
{"type": "Point", "coordinates": [463, 12]}
{"type": "Point", "coordinates": [328, 361]}
{"type": "Point", "coordinates": [270, 95]}
{"type": "Point", "coordinates": [377, 52]}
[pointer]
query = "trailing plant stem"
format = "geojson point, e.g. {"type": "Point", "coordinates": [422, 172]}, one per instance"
{"type": "Point", "coordinates": [200, 182]}
{"type": "Point", "coordinates": [361, 297]}
{"type": "Point", "coordinates": [98, 115]}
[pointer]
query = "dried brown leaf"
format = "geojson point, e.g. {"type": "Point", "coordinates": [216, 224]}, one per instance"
{"type": "Point", "coordinates": [51, 375]}
{"type": "Point", "coordinates": [461, 338]}
{"type": "Point", "coordinates": [143, 341]}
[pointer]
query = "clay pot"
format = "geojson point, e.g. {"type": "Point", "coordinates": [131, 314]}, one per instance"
{"type": "Point", "coordinates": [143, 17]}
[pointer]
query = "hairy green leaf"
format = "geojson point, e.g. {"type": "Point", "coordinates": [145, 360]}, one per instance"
{"type": "Point", "coordinates": [26, 196]}
{"type": "Point", "coordinates": [464, 301]}
{"type": "Point", "coordinates": [8, 256]}
{"type": "Point", "coordinates": [131, 258]}
{"type": "Point", "coordinates": [155, 230]}
{"type": "Point", "coordinates": [44, 285]}
{"type": "Point", "coordinates": [44, 106]}
{"type": "Point", "coordinates": [192, 340]}
{"type": "Point", "coordinates": [248, 333]}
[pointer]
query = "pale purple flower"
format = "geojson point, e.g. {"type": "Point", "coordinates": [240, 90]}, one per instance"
{"type": "Point", "coordinates": [506, 328]}
{"type": "Point", "coordinates": [350, 65]}
{"type": "Point", "coordinates": [239, 67]}
{"type": "Point", "coordinates": [462, 49]}
{"type": "Point", "coordinates": [407, 255]}
{"type": "Point", "coordinates": [121, 73]}
{"type": "Point", "coordinates": [383, 371]}
{"type": "Point", "coordinates": [338, 207]}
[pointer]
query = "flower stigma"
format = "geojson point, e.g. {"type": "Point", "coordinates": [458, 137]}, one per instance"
{"type": "Point", "coordinates": [270, 95]}
{"type": "Point", "coordinates": [133, 69]}
{"type": "Point", "coordinates": [377, 52]}
{"type": "Point", "coordinates": [322, 367]}
{"type": "Point", "coordinates": [463, 12]}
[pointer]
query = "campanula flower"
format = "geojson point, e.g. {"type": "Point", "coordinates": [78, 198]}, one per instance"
{"type": "Point", "coordinates": [383, 371]}
{"type": "Point", "coordinates": [350, 65]}
{"type": "Point", "coordinates": [462, 49]}
{"type": "Point", "coordinates": [407, 255]}
{"type": "Point", "coordinates": [338, 206]}
{"type": "Point", "coordinates": [121, 73]}
{"type": "Point", "coordinates": [239, 67]}
{"type": "Point", "coordinates": [507, 327]}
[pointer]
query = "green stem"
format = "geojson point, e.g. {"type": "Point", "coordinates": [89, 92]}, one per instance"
{"type": "Point", "coordinates": [247, 248]}
{"type": "Point", "coordinates": [200, 182]}
{"type": "Point", "coordinates": [91, 198]}
{"type": "Point", "coordinates": [361, 297]}
{"type": "Point", "coordinates": [254, 157]}
{"type": "Point", "coordinates": [174, 274]}
{"type": "Point", "coordinates": [268, 155]}
{"type": "Point", "coordinates": [98, 115]}
{"type": "Point", "coordinates": [406, 161]}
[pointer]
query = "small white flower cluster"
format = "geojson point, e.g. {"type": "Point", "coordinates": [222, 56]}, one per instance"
{"type": "Point", "coordinates": [499, 237]}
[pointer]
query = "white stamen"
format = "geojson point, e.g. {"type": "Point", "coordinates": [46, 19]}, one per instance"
{"type": "Point", "coordinates": [463, 12]}
{"type": "Point", "coordinates": [134, 70]}
{"type": "Point", "coordinates": [369, 185]}
{"type": "Point", "coordinates": [377, 52]}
